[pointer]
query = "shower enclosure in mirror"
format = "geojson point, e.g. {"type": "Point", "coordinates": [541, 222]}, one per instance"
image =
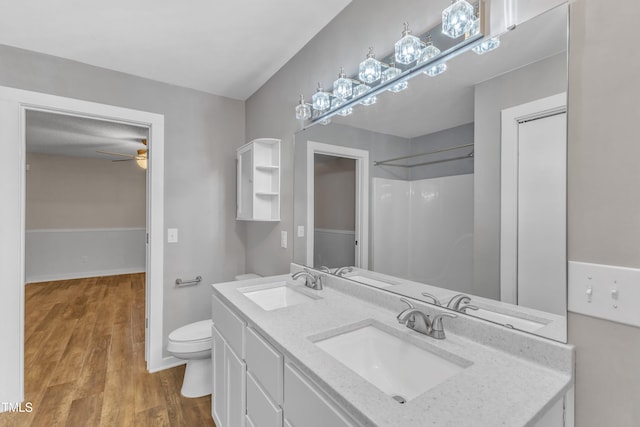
{"type": "Point", "coordinates": [458, 184]}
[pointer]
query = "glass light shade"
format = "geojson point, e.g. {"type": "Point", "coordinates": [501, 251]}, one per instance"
{"type": "Point", "coordinates": [408, 48]}
{"type": "Point", "coordinates": [361, 89]}
{"type": "Point", "coordinates": [391, 73]}
{"type": "Point", "coordinates": [474, 29]}
{"type": "Point", "coordinates": [337, 102]}
{"type": "Point", "coordinates": [457, 19]}
{"type": "Point", "coordinates": [320, 100]}
{"type": "Point", "coordinates": [436, 70]}
{"type": "Point", "coordinates": [342, 87]}
{"type": "Point", "coordinates": [487, 46]}
{"type": "Point", "coordinates": [370, 69]}
{"type": "Point", "coordinates": [303, 110]}
{"type": "Point", "coordinates": [428, 53]}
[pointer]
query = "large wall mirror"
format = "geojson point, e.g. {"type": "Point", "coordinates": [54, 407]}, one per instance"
{"type": "Point", "coordinates": [457, 184]}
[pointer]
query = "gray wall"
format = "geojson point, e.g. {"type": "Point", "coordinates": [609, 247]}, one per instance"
{"type": "Point", "coordinates": [453, 137]}
{"type": "Point", "coordinates": [202, 132]}
{"type": "Point", "coordinates": [604, 204]}
{"type": "Point", "coordinates": [538, 80]}
{"type": "Point", "coordinates": [76, 192]}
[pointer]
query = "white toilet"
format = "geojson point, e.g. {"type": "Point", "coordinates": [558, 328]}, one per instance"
{"type": "Point", "coordinates": [193, 343]}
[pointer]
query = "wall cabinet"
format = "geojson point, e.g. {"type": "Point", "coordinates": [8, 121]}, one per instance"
{"type": "Point", "coordinates": [258, 197]}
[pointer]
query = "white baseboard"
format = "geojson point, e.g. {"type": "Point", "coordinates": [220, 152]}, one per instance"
{"type": "Point", "coordinates": [82, 275]}
{"type": "Point", "coordinates": [167, 363]}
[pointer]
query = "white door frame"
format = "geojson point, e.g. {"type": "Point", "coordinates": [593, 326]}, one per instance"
{"type": "Point", "coordinates": [511, 119]}
{"type": "Point", "coordinates": [14, 104]}
{"type": "Point", "coordinates": [362, 197]}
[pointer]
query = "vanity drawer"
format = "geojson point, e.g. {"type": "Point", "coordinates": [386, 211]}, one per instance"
{"type": "Point", "coordinates": [265, 363]}
{"type": "Point", "coordinates": [230, 326]}
{"type": "Point", "coordinates": [307, 406]}
{"type": "Point", "coordinates": [261, 412]}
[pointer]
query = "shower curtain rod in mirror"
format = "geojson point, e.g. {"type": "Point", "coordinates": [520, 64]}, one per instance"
{"type": "Point", "coordinates": [388, 162]}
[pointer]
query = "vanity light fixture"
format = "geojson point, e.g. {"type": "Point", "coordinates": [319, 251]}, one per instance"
{"type": "Point", "coordinates": [362, 89]}
{"type": "Point", "coordinates": [457, 19]}
{"type": "Point", "coordinates": [336, 103]}
{"type": "Point", "coordinates": [462, 29]}
{"type": "Point", "coordinates": [320, 100]}
{"type": "Point", "coordinates": [408, 48]}
{"type": "Point", "coordinates": [303, 110]}
{"type": "Point", "coordinates": [391, 73]}
{"type": "Point", "coordinates": [342, 87]}
{"type": "Point", "coordinates": [431, 52]}
{"type": "Point", "coordinates": [487, 46]}
{"type": "Point", "coordinates": [370, 69]}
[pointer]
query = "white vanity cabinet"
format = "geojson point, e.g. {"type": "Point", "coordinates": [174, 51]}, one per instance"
{"type": "Point", "coordinates": [258, 182]}
{"type": "Point", "coordinates": [253, 385]}
{"type": "Point", "coordinates": [228, 403]}
{"type": "Point", "coordinates": [307, 406]}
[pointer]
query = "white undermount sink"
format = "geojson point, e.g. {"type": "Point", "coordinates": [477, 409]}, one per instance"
{"type": "Point", "coordinates": [275, 295]}
{"type": "Point", "coordinates": [397, 367]}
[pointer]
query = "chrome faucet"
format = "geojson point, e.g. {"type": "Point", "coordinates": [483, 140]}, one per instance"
{"type": "Point", "coordinates": [343, 270]}
{"type": "Point", "coordinates": [419, 321]}
{"type": "Point", "coordinates": [460, 303]}
{"type": "Point", "coordinates": [310, 280]}
{"type": "Point", "coordinates": [325, 269]}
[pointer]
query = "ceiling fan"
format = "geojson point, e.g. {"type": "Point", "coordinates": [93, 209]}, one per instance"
{"type": "Point", "coordinates": [140, 158]}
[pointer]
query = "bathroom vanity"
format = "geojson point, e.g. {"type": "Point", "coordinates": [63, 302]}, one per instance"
{"type": "Point", "coordinates": [288, 355]}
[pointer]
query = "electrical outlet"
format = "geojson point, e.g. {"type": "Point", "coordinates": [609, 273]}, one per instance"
{"type": "Point", "coordinates": [283, 239]}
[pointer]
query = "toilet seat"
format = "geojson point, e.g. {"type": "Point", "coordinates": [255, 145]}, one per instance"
{"type": "Point", "coordinates": [191, 338]}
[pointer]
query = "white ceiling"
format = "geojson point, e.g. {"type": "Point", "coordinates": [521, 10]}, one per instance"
{"type": "Point", "coordinates": [228, 48]}
{"type": "Point", "coordinates": [431, 104]}
{"type": "Point", "coordinates": [62, 135]}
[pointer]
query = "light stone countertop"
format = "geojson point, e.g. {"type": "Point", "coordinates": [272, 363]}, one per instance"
{"type": "Point", "coordinates": [514, 377]}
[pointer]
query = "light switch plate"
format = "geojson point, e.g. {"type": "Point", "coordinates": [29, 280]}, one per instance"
{"type": "Point", "coordinates": [283, 239]}
{"type": "Point", "coordinates": [605, 291]}
{"type": "Point", "coordinates": [172, 235]}
{"type": "Point", "coordinates": [301, 231]}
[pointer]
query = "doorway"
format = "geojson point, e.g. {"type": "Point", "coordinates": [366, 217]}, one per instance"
{"type": "Point", "coordinates": [533, 224]}
{"type": "Point", "coordinates": [334, 211]}
{"type": "Point", "coordinates": [14, 105]}
{"type": "Point", "coordinates": [359, 241]}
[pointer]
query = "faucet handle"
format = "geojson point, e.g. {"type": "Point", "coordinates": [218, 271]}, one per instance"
{"type": "Point", "coordinates": [325, 269]}
{"type": "Point", "coordinates": [436, 301]}
{"type": "Point", "coordinates": [437, 328]}
{"type": "Point", "coordinates": [466, 307]}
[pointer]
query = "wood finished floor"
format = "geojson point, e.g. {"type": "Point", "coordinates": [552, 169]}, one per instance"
{"type": "Point", "coordinates": [84, 360]}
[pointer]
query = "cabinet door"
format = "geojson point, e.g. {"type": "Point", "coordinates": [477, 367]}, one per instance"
{"type": "Point", "coordinates": [218, 399]}
{"type": "Point", "coordinates": [261, 411]}
{"type": "Point", "coordinates": [307, 406]}
{"type": "Point", "coordinates": [245, 183]}
{"type": "Point", "coordinates": [235, 375]}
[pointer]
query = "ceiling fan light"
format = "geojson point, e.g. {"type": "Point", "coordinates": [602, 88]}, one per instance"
{"type": "Point", "coordinates": [141, 159]}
